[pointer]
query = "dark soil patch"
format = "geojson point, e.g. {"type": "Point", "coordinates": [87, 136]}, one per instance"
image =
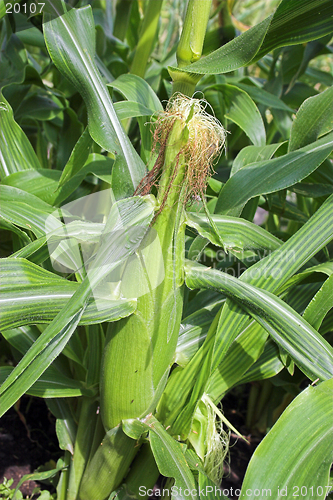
{"type": "Point", "coordinates": [235, 409]}
{"type": "Point", "coordinates": [27, 441]}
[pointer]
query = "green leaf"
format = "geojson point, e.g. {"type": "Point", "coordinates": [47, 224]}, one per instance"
{"type": "Point", "coordinates": [3, 7]}
{"type": "Point", "coordinates": [167, 452]}
{"type": "Point", "coordinates": [70, 39]}
{"type": "Point", "coordinates": [51, 384]}
{"type": "Point", "coordinates": [312, 190]}
{"type": "Point", "coordinates": [37, 476]}
{"type": "Point", "coordinates": [192, 333]}
{"type": "Point", "coordinates": [237, 235]}
{"type": "Point", "coordinates": [272, 272]}
{"type": "Point", "coordinates": [23, 337]}
{"type": "Point", "coordinates": [16, 151]}
{"type": "Point", "coordinates": [297, 22]}
{"type": "Point", "coordinates": [320, 304]}
{"type": "Point", "coordinates": [77, 159]}
{"type": "Point", "coordinates": [134, 215]}
{"type": "Point", "coordinates": [261, 96]}
{"type": "Point", "coordinates": [10, 227]}
{"type": "Point", "coordinates": [234, 54]}
{"type": "Point", "coordinates": [247, 155]}
{"type": "Point", "coordinates": [31, 36]}
{"type": "Point", "coordinates": [65, 424]}
{"type": "Point", "coordinates": [297, 469]}
{"type": "Point", "coordinates": [66, 138]}
{"type": "Point", "coordinates": [239, 343]}
{"type": "Point", "coordinates": [285, 326]}
{"type": "Point", "coordinates": [313, 119]}
{"type": "Point", "coordinates": [208, 489]}
{"type": "Point", "coordinates": [44, 183]}
{"type": "Point", "coordinates": [241, 110]}
{"type": "Point", "coordinates": [13, 61]}
{"type": "Point", "coordinates": [41, 183]}
{"type": "Point", "coordinates": [130, 109]}
{"type": "Point", "coordinates": [324, 268]}
{"type": "Point", "coordinates": [135, 89]}
{"type": "Point", "coordinates": [272, 175]}
{"type": "Point", "coordinates": [26, 210]}
{"type": "Point", "coordinates": [42, 353]}
{"type": "Point", "coordinates": [240, 357]}
{"type": "Point", "coordinates": [285, 208]}
{"type": "Point", "coordinates": [267, 365]}
{"type": "Point", "coordinates": [41, 105]}
{"type": "Point", "coordinates": [293, 23]}
{"type": "Point", "coordinates": [30, 294]}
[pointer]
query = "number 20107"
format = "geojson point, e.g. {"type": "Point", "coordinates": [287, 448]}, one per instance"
{"type": "Point", "coordinates": [18, 8]}
{"type": "Point", "coordinates": [304, 491]}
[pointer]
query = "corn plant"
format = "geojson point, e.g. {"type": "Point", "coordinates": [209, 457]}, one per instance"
{"type": "Point", "coordinates": [137, 290]}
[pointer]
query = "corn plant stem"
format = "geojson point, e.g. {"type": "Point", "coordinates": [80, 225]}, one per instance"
{"type": "Point", "coordinates": [147, 37]}
{"type": "Point", "coordinates": [82, 445]}
{"type": "Point", "coordinates": [192, 38]}
{"type": "Point", "coordinates": [63, 479]}
{"type": "Point", "coordinates": [183, 86]}
{"type": "Point", "coordinates": [190, 45]}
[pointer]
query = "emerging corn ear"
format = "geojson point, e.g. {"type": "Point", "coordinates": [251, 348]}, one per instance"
{"type": "Point", "coordinates": [139, 350]}
{"type": "Point", "coordinates": [209, 439]}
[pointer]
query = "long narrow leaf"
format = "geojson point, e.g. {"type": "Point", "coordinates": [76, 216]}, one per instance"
{"type": "Point", "coordinates": [294, 22]}
{"type": "Point", "coordinates": [51, 385]}
{"type": "Point", "coordinates": [297, 22]}
{"type": "Point", "coordinates": [313, 119]}
{"type": "Point", "coordinates": [304, 467]}
{"type": "Point", "coordinates": [237, 235]}
{"type": "Point", "coordinates": [30, 294]}
{"type": "Point", "coordinates": [241, 110]}
{"type": "Point", "coordinates": [113, 250]}
{"type": "Point", "coordinates": [309, 350]}
{"type": "Point", "coordinates": [70, 39]}
{"type": "Point", "coordinates": [232, 55]}
{"type": "Point", "coordinates": [16, 152]}
{"type": "Point", "coordinates": [272, 175]}
{"type": "Point", "coordinates": [167, 452]}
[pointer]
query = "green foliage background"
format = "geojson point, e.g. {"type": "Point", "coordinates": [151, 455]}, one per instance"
{"type": "Point", "coordinates": [80, 93]}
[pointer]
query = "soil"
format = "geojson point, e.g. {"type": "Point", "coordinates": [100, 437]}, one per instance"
{"type": "Point", "coordinates": [28, 440]}
{"type": "Point", "coordinates": [234, 409]}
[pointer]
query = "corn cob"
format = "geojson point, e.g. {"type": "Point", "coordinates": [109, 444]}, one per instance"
{"type": "Point", "coordinates": [139, 350]}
